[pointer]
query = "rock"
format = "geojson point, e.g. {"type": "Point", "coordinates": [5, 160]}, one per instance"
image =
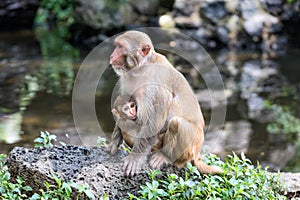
{"type": "Point", "coordinates": [233, 24]}
{"type": "Point", "coordinates": [97, 14]}
{"type": "Point", "coordinates": [254, 24]}
{"type": "Point", "coordinates": [149, 7]}
{"type": "Point", "coordinates": [105, 15]}
{"type": "Point", "coordinates": [235, 137]}
{"type": "Point", "coordinates": [290, 181]}
{"type": "Point", "coordinates": [248, 8]}
{"type": "Point", "coordinates": [274, 7]}
{"type": "Point", "coordinates": [279, 158]}
{"type": "Point", "coordinates": [205, 35]}
{"type": "Point", "coordinates": [256, 106]}
{"type": "Point", "coordinates": [252, 75]}
{"type": "Point", "coordinates": [17, 14]}
{"type": "Point", "coordinates": [184, 7]}
{"type": "Point", "coordinates": [192, 21]}
{"type": "Point", "coordinates": [186, 14]}
{"type": "Point", "coordinates": [223, 33]}
{"type": "Point", "coordinates": [139, 13]}
{"type": "Point", "coordinates": [166, 4]}
{"type": "Point", "coordinates": [220, 98]}
{"type": "Point", "coordinates": [166, 21]}
{"type": "Point", "coordinates": [213, 11]}
{"type": "Point", "coordinates": [232, 5]}
{"type": "Point", "coordinates": [91, 165]}
{"type": "Point", "coordinates": [254, 69]}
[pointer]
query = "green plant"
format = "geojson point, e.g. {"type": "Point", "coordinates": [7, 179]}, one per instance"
{"type": "Point", "coordinates": [101, 141]}
{"type": "Point", "coordinates": [285, 121]}
{"type": "Point", "coordinates": [9, 190]}
{"type": "Point", "coordinates": [17, 190]}
{"type": "Point", "coordinates": [53, 21]}
{"type": "Point", "coordinates": [60, 190]}
{"type": "Point", "coordinates": [56, 73]}
{"type": "Point", "coordinates": [289, 91]}
{"type": "Point", "coordinates": [45, 139]}
{"type": "Point", "coordinates": [241, 180]}
{"type": "Point", "coordinates": [125, 148]}
{"type": "Point", "coordinates": [63, 190]}
{"type": "Point", "coordinates": [294, 164]}
{"type": "Point", "coordinates": [58, 11]}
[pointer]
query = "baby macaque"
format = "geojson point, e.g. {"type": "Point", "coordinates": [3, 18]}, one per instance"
{"type": "Point", "coordinates": [125, 108]}
{"type": "Point", "coordinates": [125, 112]}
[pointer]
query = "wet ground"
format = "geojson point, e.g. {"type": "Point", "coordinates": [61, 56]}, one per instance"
{"type": "Point", "coordinates": [35, 95]}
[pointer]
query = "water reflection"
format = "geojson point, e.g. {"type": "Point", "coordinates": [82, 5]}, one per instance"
{"type": "Point", "coordinates": [35, 96]}
{"type": "Point", "coordinates": [10, 128]}
{"type": "Point", "coordinates": [56, 72]}
{"type": "Point", "coordinates": [29, 71]}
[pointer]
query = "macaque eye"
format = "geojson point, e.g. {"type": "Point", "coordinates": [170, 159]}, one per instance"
{"type": "Point", "coordinates": [132, 105]}
{"type": "Point", "coordinates": [118, 46]}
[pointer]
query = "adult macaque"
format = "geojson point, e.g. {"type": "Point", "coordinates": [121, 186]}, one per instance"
{"type": "Point", "coordinates": [148, 76]}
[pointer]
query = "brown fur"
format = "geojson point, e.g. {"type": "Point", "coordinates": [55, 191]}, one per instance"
{"type": "Point", "coordinates": [183, 138]}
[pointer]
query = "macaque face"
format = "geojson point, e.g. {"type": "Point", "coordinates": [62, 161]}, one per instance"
{"type": "Point", "coordinates": [118, 55]}
{"type": "Point", "coordinates": [132, 49]}
{"type": "Point", "coordinates": [129, 109]}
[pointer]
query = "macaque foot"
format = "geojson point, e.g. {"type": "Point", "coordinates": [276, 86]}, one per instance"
{"type": "Point", "coordinates": [158, 160]}
{"type": "Point", "coordinates": [111, 148]}
{"type": "Point", "coordinates": [132, 163]}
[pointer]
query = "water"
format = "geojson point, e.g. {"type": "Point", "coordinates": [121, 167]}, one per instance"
{"type": "Point", "coordinates": [36, 79]}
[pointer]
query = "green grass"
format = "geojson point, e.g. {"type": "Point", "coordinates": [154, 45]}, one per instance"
{"type": "Point", "coordinates": [241, 180]}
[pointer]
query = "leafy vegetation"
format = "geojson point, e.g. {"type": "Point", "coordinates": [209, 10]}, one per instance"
{"type": "Point", "coordinates": [285, 120]}
{"type": "Point", "coordinates": [45, 140]}
{"type": "Point", "coordinates": [101, 141]}
{"type": "Point", "coordinates": [53, 21]}
{"type": "Point", "coordinates": [8, 189]}
{"type": "Point", "coordinates": [294, 164]}
{"type": "Point", "coordinates": [59, 12]}
{"type": "Point", "coordinates": [241, 180]}
{"type": "Point", "coordinates": [59, 190]}
{"type": "Point", "coordinates": [56, 73]}
{"type": "Point", "coordinates": [17, 189]}
{"type": "Point", "coordinates": [63, 190]}
{"type": "Point", "coordinates": [291, 1]}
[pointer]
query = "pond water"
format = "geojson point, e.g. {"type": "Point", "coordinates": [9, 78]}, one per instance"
{"type": "Point", "coordinates": [37, 72]}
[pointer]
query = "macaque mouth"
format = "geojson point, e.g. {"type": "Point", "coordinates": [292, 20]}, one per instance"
{"type": "Point", "coordinates": [117, 66]}
{"type": "Point", "coordinates": [134, 118]}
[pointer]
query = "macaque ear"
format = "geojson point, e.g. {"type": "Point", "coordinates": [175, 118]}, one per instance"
{"type": "Point", "coordinates": [144, 51]}
{"type": "Point", "coordinates": [115, 113]}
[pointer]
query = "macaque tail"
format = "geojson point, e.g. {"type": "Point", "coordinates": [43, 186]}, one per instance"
{"type": "Point", "coordinates": [207, 169]}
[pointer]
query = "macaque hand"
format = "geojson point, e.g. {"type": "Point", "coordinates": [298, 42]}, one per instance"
{"type": "Point", "coordinates": [111, 148]}
{"type": "Point", "coordinates": [132, 163]}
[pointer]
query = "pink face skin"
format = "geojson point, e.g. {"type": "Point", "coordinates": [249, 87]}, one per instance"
{"type": "Point", "coordinates": [116, 58]}
{"type": "Point", "coordinates": [130, 110]}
